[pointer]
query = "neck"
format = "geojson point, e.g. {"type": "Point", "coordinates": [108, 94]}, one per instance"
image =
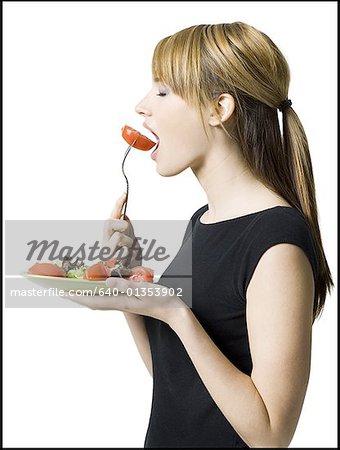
{"type": "Point", "coordinates": [230, 187]}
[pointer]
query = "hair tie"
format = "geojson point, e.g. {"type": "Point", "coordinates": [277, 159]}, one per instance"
{"type": "Point", "coordinates": [285, 105]}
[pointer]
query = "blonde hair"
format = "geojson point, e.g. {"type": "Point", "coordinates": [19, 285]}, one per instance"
{"type": "Point", "coordinates": [201, 62]}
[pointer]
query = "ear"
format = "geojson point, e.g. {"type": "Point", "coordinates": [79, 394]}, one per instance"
{"type": "Point", "coordinates": [224, 108]}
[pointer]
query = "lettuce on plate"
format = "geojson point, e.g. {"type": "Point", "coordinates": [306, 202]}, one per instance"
{"type": "Point", "coordinates": [76, 273]}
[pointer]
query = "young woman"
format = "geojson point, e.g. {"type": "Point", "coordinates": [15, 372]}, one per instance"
{"type": "Point", "coordinates": [232, 369]}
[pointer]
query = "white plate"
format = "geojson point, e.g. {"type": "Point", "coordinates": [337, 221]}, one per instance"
{"type": "Point", "coordinates": [67, 284]}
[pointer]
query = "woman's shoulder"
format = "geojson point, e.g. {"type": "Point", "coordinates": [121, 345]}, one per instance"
{"type": "Point", "coordinates": [282, 217]}
{"type": "Point", "coordinates": [277, 225]}
{"type": "Point", "coordinates": [284, 223]}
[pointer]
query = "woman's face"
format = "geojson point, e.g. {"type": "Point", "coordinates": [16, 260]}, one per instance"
{"type": "Point", "coordinates": [182, 140]}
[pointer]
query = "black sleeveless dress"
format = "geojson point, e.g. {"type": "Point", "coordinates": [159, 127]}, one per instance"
{"type": "Point", "coordinates": [224, 257]}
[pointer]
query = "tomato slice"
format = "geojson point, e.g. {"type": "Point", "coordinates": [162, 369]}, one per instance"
{"type": "Point", "coordinates": [140, 273]}
{"type": "Point", "coordinates": [97, 272]}
{"type": "Point", "coordinates": [100, 271]}
{"type": "Point", "coordinates": [47, 269]}
{"type": "Point", "coordinates": [142, 142]}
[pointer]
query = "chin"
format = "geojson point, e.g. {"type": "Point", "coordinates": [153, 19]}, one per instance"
{"type": "Point", "coordinates": [168, 171]}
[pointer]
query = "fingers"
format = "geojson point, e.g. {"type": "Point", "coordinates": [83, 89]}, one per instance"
{"type": "Point", "coordinates": [120, 240]}
{"type": "Point", "coordinates": [118, 208]}
{"type": "Point", "coordinates": [115, 240]}
{"type": "Point", "coordinates": [123, 254]}
{"type": "Point", "coordinates": [110, 227]}
{"type": "Point", "coordinates": [115, 226]}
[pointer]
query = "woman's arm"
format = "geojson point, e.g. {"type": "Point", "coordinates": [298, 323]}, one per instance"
{"type": "Point", "coordinates": [263, 408]}
{"type": "Point", "coordinates": [137, 327]}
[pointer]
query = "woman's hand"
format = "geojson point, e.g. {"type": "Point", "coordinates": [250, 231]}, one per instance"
{"type": "Point", "coordinates": [147, 299]}
{"type": "Point", "coordinates": [142, 298]}
{"type": "Point", "coordinates": [119, 235]}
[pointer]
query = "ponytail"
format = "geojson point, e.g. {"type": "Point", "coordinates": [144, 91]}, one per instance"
{"type": "Point", "coordinates": [295, 144]}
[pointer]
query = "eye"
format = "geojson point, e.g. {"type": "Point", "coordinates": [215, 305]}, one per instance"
{"type": "Point", "coordinates": [161, 94]}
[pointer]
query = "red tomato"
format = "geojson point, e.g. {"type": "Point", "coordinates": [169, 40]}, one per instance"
{"type": "Point", "coordinates": [47, 269]}
{"type": "Point", "coordinates": [142, 142]}
{"type": "Point", "coordinates": [97, 272]}
{"type": "Point", "coordinates": [140, 273]}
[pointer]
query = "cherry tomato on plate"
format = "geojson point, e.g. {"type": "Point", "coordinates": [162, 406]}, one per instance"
{"type": "Point", "coordinates": [47, 270]}
{"type": "Point", "coordinates": [142, 142]}
{"type": "Point", "coordinates": [140, 273]}
{"type": "Point", "coordinates": [98, 271]}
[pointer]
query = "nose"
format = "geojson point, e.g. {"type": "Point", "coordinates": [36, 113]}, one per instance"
{"type": "Point", "coordinates": [142, 108]}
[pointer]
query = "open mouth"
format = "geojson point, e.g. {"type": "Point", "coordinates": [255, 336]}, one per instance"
{"type": "Point", "coordinates": [154, 138]}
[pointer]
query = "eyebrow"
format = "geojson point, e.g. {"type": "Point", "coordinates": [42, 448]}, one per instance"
{"type": "Point", "coordinates": [156, 80]}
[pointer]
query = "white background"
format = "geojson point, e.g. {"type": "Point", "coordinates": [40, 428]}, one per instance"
{"type": "Point", "coordinates": [73, 73]}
